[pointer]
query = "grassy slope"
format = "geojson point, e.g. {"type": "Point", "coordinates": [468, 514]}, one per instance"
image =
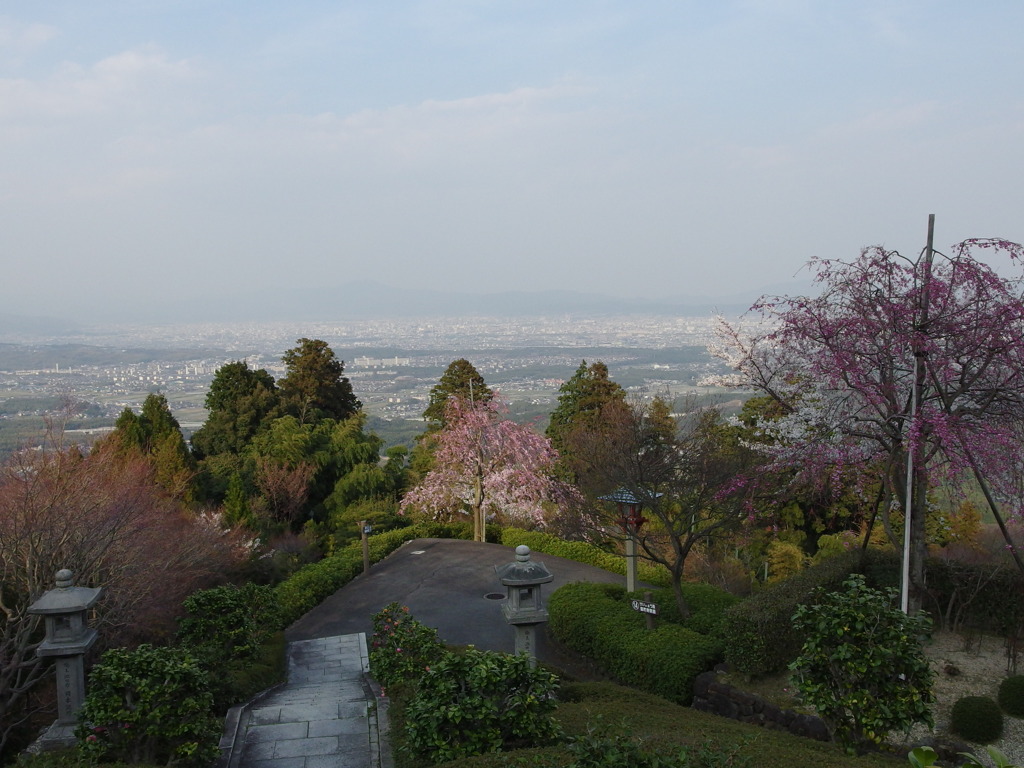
{"type": "Point", "coordinates": [663, 727]}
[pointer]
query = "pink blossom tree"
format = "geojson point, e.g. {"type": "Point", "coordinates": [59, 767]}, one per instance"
{"type": "Point", "coordinates": [897, 359]}
{"type": "Point", "coordinates": [488, 466]}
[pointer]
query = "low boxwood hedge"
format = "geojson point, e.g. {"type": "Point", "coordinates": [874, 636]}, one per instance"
{"type": "Point", "coordinates": [596, 621]}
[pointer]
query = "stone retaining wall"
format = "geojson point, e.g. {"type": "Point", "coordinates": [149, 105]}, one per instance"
{"type": "Point", "coordinates": [710, 695]}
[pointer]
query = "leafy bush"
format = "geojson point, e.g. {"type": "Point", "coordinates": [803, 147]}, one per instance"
{"type": "Point", "coordinates": [582, 552]}
{"type": "Point", "coordinates": [924, 757]}
{"type": "Point", "coordinates": [862, 665]}
{"type": "Point", "coordinates": [759, 635]}
{"type": "Point", "coordinates": [149, 705]}
{"type": "Point", "coordinates": [478, 702]}
{"type": "Point", "coordinates": [228, 622]}
{"type": "Point", "coordinates": [1011, 695]}
{"type": "Point", "coordinates": [595, 621]}
{"type": "Point", "coordinates": [401, 647]}
{"type": "Point", "coordinates": [977, 719]}
{"type": "Point", "coordinates": [707, 604]}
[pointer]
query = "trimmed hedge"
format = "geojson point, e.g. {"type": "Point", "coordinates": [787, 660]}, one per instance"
{"type": "Point", "coordinates": [758, 633]}
{"type": "Point", "coordinates": [582, 552]}
{"type": "Point", "coordinates": [312, 584]}
{"type": "Point", "coordinates": [596, 621]}
{"type": "Point", "coordinates": [707, 604]}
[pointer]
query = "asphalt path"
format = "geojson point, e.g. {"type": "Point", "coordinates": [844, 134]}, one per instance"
{"type": "Point", "coordinates": [450, 585]}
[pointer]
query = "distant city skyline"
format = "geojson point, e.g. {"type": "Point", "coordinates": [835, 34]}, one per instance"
{"type": "Point", "coordinates": [160, 159]}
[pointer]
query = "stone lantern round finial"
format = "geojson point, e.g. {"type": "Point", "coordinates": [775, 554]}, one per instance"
{"type": "Point", "coordinates": [65, 579]}
{"type": "Point", "coordinates": [523, 553]}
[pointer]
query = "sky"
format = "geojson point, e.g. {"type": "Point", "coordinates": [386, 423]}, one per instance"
{"type": "Point", "coordinates": [161, 149]}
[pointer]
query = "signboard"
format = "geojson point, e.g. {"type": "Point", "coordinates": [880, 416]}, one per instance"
{"type": "Point", "coordinates": [643, 607]}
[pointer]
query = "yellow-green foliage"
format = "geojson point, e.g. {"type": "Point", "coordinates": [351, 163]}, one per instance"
{"type": "Point", "coordinates": [784, 560]}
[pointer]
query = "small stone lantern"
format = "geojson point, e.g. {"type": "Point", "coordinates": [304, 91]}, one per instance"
{"type": "Point", "coordinates": [67, 639]}
{"type": "Point", "coordinates": [523, 608]}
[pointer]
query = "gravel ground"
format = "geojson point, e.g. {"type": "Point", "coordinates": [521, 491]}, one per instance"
{"type": "Point", "coordinates": [980, 670]}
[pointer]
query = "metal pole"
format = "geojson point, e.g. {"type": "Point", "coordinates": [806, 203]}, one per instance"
{"type": "Point", "coordinates": [908, 515]}
{"type": "Point", "coordinates": [366, 546]}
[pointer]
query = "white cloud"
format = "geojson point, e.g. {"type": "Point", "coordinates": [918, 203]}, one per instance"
{"type": "Point", "coordinates": [18, 39]}
{"type": "Point", "coordinates": [113, 83]}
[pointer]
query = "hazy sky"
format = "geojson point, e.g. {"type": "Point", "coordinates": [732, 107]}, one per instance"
{"type": "Point", "coordinates": [160, 148]}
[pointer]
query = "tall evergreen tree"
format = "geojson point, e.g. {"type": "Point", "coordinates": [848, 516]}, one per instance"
{"type": "Point", "coordinates": [581, 400]}
{"type": "Point", "coordinates": [315, 386]}
{"type": "Point", "coordinates": [156, 435]}
{"type": "Point", "coordinates": [241, 402]}
{"type": "Point", "coordinates": [460, 379]}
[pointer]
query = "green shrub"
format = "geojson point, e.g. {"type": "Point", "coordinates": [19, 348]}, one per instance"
{"type": "Point", "coordinates": [401, 648]}
{"type": "Point", "coordinates": [977, 719]}
{"type": "Point", "coordinates": [759, 635]}
{"type": "Point", "coordinates": [479, 702]}
{"type": "Point", "coordinates": [582, 552]}
{"type": "Point", "coordinates": [266, 668]}
{"type": "Point", "coordinates": [862, 665]}
{"type": "Point", "coordinates": [707, 604]}
{"type": "Point", "coordinates": [228, 622]}
{"type": "Point", "coordinates": [149, 705]}
{"type": "Point", "coordinates": [1011, 695]}
{"type": "Point", "coordinates": [596, 621]}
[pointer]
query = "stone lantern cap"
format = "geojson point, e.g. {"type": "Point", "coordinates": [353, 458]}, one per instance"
{"type": "Point", "coordinates": [66, 598]}
{"type": "Point", "coordinates": [63, 610]}
{"type": "Point", "coordinates": [523, 572]}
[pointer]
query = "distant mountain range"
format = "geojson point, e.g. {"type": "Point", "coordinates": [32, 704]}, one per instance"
{"type": "Point", "coordinates": [372, 300]}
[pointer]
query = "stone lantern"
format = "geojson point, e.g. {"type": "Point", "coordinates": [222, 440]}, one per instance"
{"type": "Point", "coordinates": [67, 638]}
{"type": "Point", "coordinates": [523, 608]}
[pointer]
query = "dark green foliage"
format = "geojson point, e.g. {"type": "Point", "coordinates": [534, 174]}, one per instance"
{"type": "Point", "coordinates": [862, 666]}
{"type": "Point", "coordinates": [155, 434]}
{"type": "Point", "coordinates": [460, 379]}
{"type": "Point", "coordinates": [478, 702]}
{"type": "Point", "coordinates": [977, 719]}
{"type": "Point", "coordinates": [707, 604]}
{"type": "Point", "coordinates": [1011, 695]}
{"type": "Point", "coordinates": [401, 648]}
{"type": "Point", "coordinates": [582, 552]}
{"type": "Point", "coordinates": [226, 628]}
{"type": "Point", "coordinates": [149, 705]}
{"type": "Point", "coordinates": [581, 400]}
{"type": "Point", "coordinates": [314, 386]}
{"type": "Point", "coordinates": [228, 622]}
{"type": "Point", "coordinates": [661, 728]}
{"type": "Point", "coordinates": [241, 402]}
{"type": "Point", "coordinates": [595, 622]}
{"type": "Point", "coordinates": [760, 638]}
{"type": "Point", "coordinates": [266, 668]}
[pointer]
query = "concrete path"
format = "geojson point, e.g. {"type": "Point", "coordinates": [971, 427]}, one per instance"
{"type": "Point", "coordinates": [327, 714]}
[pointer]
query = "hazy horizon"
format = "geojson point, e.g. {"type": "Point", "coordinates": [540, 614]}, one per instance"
{"type": "Point", "coordinates": [166, 157]}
